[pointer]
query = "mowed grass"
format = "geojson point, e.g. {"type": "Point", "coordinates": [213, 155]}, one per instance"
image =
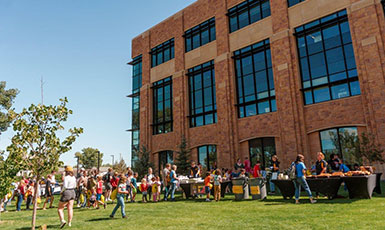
{"type": "Point", "coordinates": [273, 213]}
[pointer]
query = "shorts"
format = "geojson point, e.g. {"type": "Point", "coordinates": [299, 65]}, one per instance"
{"type": "Point", "coordinates": [98, 196]}
{"type": "Point", "coordinates": [108, 186]}
{"type": "Point", "coordinates": [207, 189]}
{"type": "Point", "coordinates": [68, 195]}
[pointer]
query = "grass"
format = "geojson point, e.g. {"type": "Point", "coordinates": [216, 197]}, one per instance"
{"type": "Point", "coordinates": [274, 213]}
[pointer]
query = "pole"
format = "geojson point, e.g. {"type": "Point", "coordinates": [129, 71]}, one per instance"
{"type": "Point", "coordinates": [98, 161]}
{"type": "Point", "coordinates": [113, 159]}
{"type": "Point", "coordinates": [77, 167]}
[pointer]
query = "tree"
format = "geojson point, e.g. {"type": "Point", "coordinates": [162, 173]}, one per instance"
{"type": "Point", "coordinates": [369, 150]}
{"type": "Point", "coordinates": [88, 158]}
{"type": "Point", "coordinates": [6, 100]}
{"type": "Point", "coordinates": [141, 166]}
{"type": "Point", "coordinates": [183, 159]}
{"type": "Point", "coordinates": [120, 167]}
{"type": "Point", "coordinates": [36, 140]}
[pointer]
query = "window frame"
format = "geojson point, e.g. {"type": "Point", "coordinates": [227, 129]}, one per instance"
{"type": "Point", "coordinates": [264, 162]}
{"type": "Point", "coordinates": [160, 85]}
{"type": "Point", "coordinates": [167, 46]}
{"type": "Point", "coordinates": [251, 52]}
{"type": "Point", "coordinates": [303, 32]}
{"type": "Point", "coordinates": [167, 152]}
{"type": "Point", "coordinates": [208, 166]}
{"type": "Point", "coordinates": [339, 147]}
{"type": "Point", "coordinates": [290, 3]}
{"type": "Point", "coordinates": [199, 29]}
{"type": "Point", "coordinates": [200, 69]}
{"type": "Point", "coordinates": [246, 6]}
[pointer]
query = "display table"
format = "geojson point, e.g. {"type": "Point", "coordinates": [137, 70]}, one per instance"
{"type": "Point", "coordinates": [286, 187]}
{"type": "Point", "coordinates": [326, 186]}
{"type": "Point", "coordinates": [361, 186]}
{"type": "Point", "coordinates": [377, 189]}
{"type": "Point", "coordinates": [188, 188]}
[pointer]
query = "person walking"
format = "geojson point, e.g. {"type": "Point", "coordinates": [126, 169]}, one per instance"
{"type": "Point", "coordinates": [67, 196]}
{"type": "Point", "coordinates": [166, 180]}
{"type": "Point", "coordinates": [122, 192]}
{"type": "Point", "coordinates": [300, 179]}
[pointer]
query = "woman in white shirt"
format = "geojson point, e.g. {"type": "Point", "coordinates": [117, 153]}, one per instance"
{"type": "Point", "coordinates": [67, 196]}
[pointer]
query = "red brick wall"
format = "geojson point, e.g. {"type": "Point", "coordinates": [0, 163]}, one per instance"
{"type": "Point", "coordinates": [294, 125]}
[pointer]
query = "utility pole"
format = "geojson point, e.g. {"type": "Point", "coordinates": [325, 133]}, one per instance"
{"type": "Point", "coordinates": [98, 161]}
{"type": "Point", "coordinates": [113, 159]}
{"type": "Point", "coordinates": [42, 90]}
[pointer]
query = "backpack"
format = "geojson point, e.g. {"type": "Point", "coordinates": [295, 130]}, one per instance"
{"type": "Point", "coordinates": [292, 172]}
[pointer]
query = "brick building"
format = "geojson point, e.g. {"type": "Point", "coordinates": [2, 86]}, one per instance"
{"type": "Point", "coordinates": [257, 77]}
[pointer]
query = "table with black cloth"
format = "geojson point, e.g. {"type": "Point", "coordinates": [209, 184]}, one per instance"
{"type": "Point", "coordinates": [361, 186]}
{"type": "Point", "coordinates": [326, 186]}
{"type": "Point", "coordinates": [377, 189]}
{"type": "Point", "coordinates": [187, 188]}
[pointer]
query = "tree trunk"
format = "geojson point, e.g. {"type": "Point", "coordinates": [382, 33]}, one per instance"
{"type": "Point", "coordinates": [34, 200]}
{"type": "Point", "coordinates": [1, 205]}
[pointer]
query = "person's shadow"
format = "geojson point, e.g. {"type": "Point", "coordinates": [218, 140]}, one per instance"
{"type": "Point", "coordinates": [99, 219]}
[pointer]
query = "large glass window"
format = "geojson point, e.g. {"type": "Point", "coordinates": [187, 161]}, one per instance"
{"type": "Point", "coordinates": [293, 2]}
{"type": "Point", "coordinates": [164, 158]}
{"type": "Point", "coordinates": [247, 13]}
{"type": "Point", "coordinates": [255, 83]}
{"type": "Point", "coordinates": [207, 157]}
{"type": "Point", "coordinates": [333, 142]}
{"type": "Point", "coordinates": [162, 53]}
{"type": "Point", "coordinates": [200, 35]}
{"type": "Point", "coordinates": [135, 121]}
{"type": "Point", "coordinates": [162, 104]}
{"type": "Point", "coordinates": [203, 106]}
{"type": "Point", "coordinates": [262, 149]}
{"type": "Point", "coordinates": [328, 67]}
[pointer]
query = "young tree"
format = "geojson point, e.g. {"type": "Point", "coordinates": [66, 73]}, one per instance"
{"type": "Point", "coordinates": [120, 166]}
{"type": "Point", "coordinates": [37, 142]}
{"type": "Point", "coordinates": [183, 159]}
{"type": "Point", "coordinates": [369, 149]}
{"type": "Point", "coordinates": [88, 158]}
{"type": "Point", "coordinates": [142, 165]}
{"type": "Point", "coordinates": [6, 101]}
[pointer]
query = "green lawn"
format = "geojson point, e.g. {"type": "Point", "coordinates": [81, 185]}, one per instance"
{"type": "Point", "coordinates": [274, 213]}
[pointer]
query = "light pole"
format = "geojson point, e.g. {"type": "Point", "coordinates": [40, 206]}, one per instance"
{"type": "Point", "coordinates": [77, 167]}
{"type": "Point", "coordinates": [113, 159]}
{"type": "Point", "coordinates": [98, 161]}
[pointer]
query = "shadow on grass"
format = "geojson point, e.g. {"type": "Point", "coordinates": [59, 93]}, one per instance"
{"type": "Point", "coordinates": [304, 200]}
{"type": "Point", "coordinates": [99, 219]}
{"type": "Point", "coordinates": [55, 226]}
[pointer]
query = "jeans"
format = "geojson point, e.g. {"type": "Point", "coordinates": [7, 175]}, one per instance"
{"type": "Point", "coordinates": [19, 202]}
{"type": "Point", "coordinates": [272, 185]}
{"type": "Point", "coordinates": [166, 191]}
{"type": "Point", "coordinates": [301, 181]}
{"type": "Point", "coordinates": [173, 188]}
{"type": "Point", "coordinates": [120, 199]}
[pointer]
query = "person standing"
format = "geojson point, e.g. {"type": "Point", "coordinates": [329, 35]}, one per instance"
{"type": "Point", "coordinates": [247, 165]}
{"type": "Point", "coordinates": [217, 185]}
{"type": "Point", "coordinates": [194, 171]}
{"type": "Point", "coordinates": [20, 195]}
{"type": "Point", "coordinates": [320, 164]}
{"type": "Point", "coordinates": [174, 181]}
{"type": "Point", "coordinates": [67, 196]}
{"type": "Point", "coordinates": [149, 177]}
{"type": "Point", "coordinates": [239, 165]}
{"type": "Point", "coordinates": [274, 172]}
{"type": "Point", "coordinates": [107, 184]}
{"type": "Point", "coordinates": [301, 179]}
{"type": "Point", "coordinates": [166, 180]}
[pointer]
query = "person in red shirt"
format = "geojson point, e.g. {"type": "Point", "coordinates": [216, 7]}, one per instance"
{"type": "Point", "coordinates": [257, 170]}
{"type": "Point", "coordinates": [207, 182]}
{"type": "Point", "coordinates": [247, 164]}
{"type": "Point", "coordinates": [143, 188]}
{"type": "Point", "coordinates": [115, 181]}
{"type": "Point", "coordinates": [99, 193]}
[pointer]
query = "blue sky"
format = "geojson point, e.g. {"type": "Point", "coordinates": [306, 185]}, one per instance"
{"type": "Point", "coordinates": [80, 48]}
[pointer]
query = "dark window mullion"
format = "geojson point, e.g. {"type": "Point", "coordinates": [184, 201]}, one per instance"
{"type": "Point", "coordinates": [203, 97]}
{"type": "Point", "coordinates": [343, 52]}
{"type": "Point", "coordinates": [267, 78]}
{"type": "Point", "coordinates": [309, 68]}
{"type": "Point", "coordinates": [326, 60]}
{"type": "Point", "coordinates": [254, 83]}
{"type": "Point", "coordinates": [213, 96]}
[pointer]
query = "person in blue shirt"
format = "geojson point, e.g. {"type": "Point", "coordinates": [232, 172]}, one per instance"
{"type": "Point", "coordinates": [301, 179]}
{"type": "Point", "coordinates": [343, 167]}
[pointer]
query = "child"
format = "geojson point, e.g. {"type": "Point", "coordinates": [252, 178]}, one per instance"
{"type": "Point", "coordinates": [134, 187]}
{"type": "Point", "coordinates": [257, 170]}
{"type": "Point", "coordinates": [122, 191]}
{"type": "Point", "coordinates": [217, 185]}
{"type": "Point", "coordinates": [143, 189]}
{"type": "Point", "coordinates": [159, 185]}
{"type": "Point", "coordinates": [29, 194]}
{"type": "Point", "coordinates": [154, 190]}
{"type": "Point", "coordinates": [207, 186]}
{"type": "Point", "coordinates": [99, 193]}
